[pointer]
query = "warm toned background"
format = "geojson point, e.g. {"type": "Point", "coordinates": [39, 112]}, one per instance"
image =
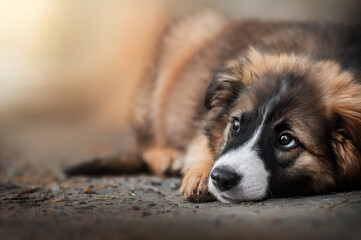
{"type": "Point", "coordinates": [68, 70]}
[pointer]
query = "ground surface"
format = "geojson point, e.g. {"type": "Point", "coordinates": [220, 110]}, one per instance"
{"type": "Point", "coordinates": [38, 202]}
{"type": "Point", "coordinates": [145, 207]}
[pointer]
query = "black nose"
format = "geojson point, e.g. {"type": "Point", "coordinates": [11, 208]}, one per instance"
{"type": "Point", "coordinates": [225, 178]}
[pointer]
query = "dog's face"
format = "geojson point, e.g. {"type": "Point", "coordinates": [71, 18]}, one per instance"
{"type": "Point", "coordinates": [282, 126]}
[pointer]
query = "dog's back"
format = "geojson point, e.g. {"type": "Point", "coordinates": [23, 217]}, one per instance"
{"type": "Point", "coordinates": [169, 107]}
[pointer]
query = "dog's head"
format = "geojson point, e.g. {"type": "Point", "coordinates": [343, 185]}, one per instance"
{"type": "Point", "coordinates": [282, 125]}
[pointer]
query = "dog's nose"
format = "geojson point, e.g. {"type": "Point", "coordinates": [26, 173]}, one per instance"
{"type": "Point", "coordinates": [224, 179]}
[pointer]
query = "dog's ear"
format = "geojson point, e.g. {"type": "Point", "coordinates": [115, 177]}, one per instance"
{"type": "Point", "coordinates": [225, 85]}
{"type": "Point", "coordinates": [346, 136]}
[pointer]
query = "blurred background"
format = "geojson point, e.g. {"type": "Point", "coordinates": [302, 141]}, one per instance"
{"type": "Point", "coordinates": [69, 69]}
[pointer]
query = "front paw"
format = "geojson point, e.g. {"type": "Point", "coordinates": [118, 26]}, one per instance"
{"type": "Point", "coordinates": [194, 185]}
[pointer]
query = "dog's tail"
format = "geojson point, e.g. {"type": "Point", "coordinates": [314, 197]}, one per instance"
{"type": "Point", "coordinates": [106, 166]}
{"type": "Point", "coordinates": [128, 161]}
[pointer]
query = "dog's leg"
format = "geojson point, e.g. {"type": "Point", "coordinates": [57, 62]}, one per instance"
{"type": "Point", "coordinates": [161, 160]}
{"type": "Point", "coordinates": [197, 166]}
{"type": "Point", "coordinates": [194, 185]}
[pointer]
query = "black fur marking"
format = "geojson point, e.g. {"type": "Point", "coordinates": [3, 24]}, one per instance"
{"type": "Point", "coordinates": [108, 166]}
{"type": "Point", "coordinates": [230, 89]}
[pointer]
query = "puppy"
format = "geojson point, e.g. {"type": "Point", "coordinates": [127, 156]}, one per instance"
{"type": "Point", "coordinates": [247, 110]}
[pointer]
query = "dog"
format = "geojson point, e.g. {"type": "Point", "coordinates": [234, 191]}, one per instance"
{"type": "Point", "coordinates": [248, 109]}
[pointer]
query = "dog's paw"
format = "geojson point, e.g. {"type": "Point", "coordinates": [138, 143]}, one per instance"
{"type": "Point", "coordinates": [194, 184]}
{"type": "Point", "coordinates": [160, 160]}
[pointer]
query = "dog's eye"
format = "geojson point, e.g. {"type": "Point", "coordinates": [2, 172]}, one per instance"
{"type": "Point", "coordinates": [286, 141]}
{"type": "Point", "coordinates": [236, 125]}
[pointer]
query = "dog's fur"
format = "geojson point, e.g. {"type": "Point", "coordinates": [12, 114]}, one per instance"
{"type": "Point", "coordinates": [273, 78]}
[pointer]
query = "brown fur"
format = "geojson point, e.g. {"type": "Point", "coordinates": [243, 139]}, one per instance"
{"type": "Point", "coordinates": [176, 132]}
{"type": "Point", "coordinates": [198, 162]}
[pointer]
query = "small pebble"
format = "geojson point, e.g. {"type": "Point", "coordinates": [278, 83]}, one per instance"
{"type": "Point", "coordinates": [87, 190]}
{"type": "Point", "coordinates": [136, 208]}
{"type": "Point", "coordinates": [155, 182]}
{"type": "Point", "coordinates": [145, 213]}
{"type": "Point", "coordinates": [174, 186]}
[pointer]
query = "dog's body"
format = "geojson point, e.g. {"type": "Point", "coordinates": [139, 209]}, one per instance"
{"type": "Point", "coordinates": [250, 109]}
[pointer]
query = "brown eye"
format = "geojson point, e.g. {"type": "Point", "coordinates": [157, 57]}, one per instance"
{"type": "Point", "coordinates": [286, 142]}
{"type": "Point", "coordinates": [236, 125]}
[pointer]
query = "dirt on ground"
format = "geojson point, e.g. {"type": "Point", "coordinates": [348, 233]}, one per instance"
{"type": "Point", "coordinates": [38, 202]}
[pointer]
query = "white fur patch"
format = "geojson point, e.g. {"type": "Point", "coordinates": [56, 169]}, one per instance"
{"type": "Point", "coordinates": [246, 162]}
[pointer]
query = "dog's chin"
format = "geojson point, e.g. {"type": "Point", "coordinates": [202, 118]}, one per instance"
{"type": "Point", "coordinates": [237, 195]}
{"type": "Point", "coordinates": [225, 199]}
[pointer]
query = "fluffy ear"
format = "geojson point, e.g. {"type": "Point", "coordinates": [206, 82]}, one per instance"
{"type": "Point", "coordinates": [225, 85]}
{"type": "Point", "coordinates": [347, 134]}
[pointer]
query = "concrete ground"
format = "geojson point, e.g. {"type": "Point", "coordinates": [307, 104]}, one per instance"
{"type": "Point", "coordinates": [38, 202]}
{"type": "Point", "coordinates": [72, 65]}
